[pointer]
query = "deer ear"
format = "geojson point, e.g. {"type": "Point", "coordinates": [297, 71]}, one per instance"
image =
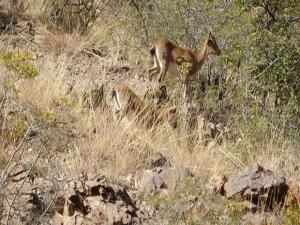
{"type": "Point", "coordinates": [210, 35]}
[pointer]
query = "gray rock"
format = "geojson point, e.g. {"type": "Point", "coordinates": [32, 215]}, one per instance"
{"type": "Point", "coordinates": [259, 186]}
{"type": "Point", "coordinates": [97, 203]}
{"type": "Point", "coordinates": [148, 181]}
{"type": "Point", "coordinates": [158, 160]}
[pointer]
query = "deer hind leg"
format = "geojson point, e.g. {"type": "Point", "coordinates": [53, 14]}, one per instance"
{"type": "Point", "coordinates": [155, 69]}
{"type": "Point", "coordinates": [163, 71]}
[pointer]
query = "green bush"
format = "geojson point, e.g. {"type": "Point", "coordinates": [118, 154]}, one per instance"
{"type": "Point", "coordinates": [260, 46]}
{"type": "Point", "coordinates": [20, 62]}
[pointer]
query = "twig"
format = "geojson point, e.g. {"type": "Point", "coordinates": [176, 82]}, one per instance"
{"type": "Point", "coordinates": [3, 100]}
{"type": "Point", "coordinates": [27, 175]}
{"type": "Point", "coordinates": [12, 169]}
{"type": "Point", "coordinates": [236, 161]}
{"type": "Point", "coordinates": [269, 66]}
{"type": "Point", "coordinates": [46, 210]}
{"type": "Point", "coordinates": [92, 53]}
{"type": "Point", "coordinates": [11, 158]}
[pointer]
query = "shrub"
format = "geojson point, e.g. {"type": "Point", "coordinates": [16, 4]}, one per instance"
{"type": "Point", "coordinates": [72, 16]}
{"type": "Point", "coordinates": [20, 62]}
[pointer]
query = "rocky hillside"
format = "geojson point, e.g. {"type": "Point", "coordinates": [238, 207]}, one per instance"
{"type": "Point", "coordinates": [65, 160]}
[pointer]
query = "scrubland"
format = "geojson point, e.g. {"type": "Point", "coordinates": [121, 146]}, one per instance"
{"type": "Point", "coordinates": [246, 100]}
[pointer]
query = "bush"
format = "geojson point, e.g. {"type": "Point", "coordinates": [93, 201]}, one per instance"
{"type": "Point", "coordinates": [20, 62]}
{"type": "Point", "coordinates": [72, 16]}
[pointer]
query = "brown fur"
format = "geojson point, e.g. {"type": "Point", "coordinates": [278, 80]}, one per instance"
{"type": "Point", "coordinates": [133, 107]}
{"type": "Point", "coordinates": [167, 55]}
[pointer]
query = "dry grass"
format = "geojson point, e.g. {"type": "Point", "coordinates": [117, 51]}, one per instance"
{"type": "Point", "coordinates": [102, 146]}
{"type": "Point", "coordinates": [48, 86]}
{"type": "Point", "coordinates": [118, 149]}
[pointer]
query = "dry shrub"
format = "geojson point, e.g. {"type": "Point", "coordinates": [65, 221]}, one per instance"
{"type": "Point", "coordinates": [48, 86]}
{"type": "Point", "coordinates": [118, 149]}
{"type": "Point", "coordinates": [14, 7]}
{"type": "Point", "coordinates": [57, 42]}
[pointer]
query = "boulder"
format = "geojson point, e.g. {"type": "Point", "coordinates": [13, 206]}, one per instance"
{"type": "Point", "coordinates": [158, 160]}
{"type": "Point", "coordinates": [158, 179]}
{"type": "Point", "coordinates": [95, 202]}
{"type": "Point", "coordinates": [258, 186]}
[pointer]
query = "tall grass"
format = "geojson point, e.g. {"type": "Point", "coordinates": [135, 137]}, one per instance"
{"type": "Point", "coordinates": [122, 148]}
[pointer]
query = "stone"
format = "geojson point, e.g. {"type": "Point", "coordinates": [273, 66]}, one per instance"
{"type": "Point", "coordinates": [148, 181]}
{"type": "Point", "coordinates": [95, 202]}
{"type": "Point", "coordinates": [259, 186]}
{"type": "Point", "coordinates": [158, 160]}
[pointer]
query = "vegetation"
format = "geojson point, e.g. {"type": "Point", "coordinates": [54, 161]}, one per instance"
{"type": "Point", "coordinates": [248, 97]}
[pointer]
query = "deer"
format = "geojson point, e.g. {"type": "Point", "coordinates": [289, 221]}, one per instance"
{"type": "Point", "coordinates": [168, 57]}
{"type": "Point", "coordinates": [130, 105]}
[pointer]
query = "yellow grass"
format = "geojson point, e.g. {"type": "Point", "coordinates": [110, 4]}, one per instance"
{"type": "Point", "coordinates": [119, 149]}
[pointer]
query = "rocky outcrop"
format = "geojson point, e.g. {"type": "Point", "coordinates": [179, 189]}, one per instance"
{"type": "Point", "coordinates": [158, 160]}
{"type": "Point", "coordinates": [95, 202]}
{"type": "Point", "coordinates": [260, 187]}
{"type": "Point", "coordinates": [158, 179]}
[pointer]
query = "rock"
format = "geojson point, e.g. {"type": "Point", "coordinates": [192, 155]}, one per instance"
{"type": "Point", "coordinates": [97, 203]}
{"type": "Point", "coordinates": [158, 160]}
{"type": "Point", "coordinates": [128, 181]}
{"type": "Point", "coordinates": [259, 186]}
{"type": "Point", "coordinates": [158, 179]}
{"type": "Point", "coordinates": [33, 195]}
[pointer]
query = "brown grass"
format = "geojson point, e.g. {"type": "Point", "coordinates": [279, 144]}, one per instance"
{"type": "Point", "coordinates": [118, 149]}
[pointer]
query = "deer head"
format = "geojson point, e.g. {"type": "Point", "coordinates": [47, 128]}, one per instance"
{"type": "Point", "coordinates": [212, 46]}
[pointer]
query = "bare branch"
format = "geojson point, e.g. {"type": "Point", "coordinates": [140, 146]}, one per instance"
{"type": "Point", "coordinates": [27, 175]}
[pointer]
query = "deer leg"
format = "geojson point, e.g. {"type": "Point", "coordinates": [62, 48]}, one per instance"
{"type": "Point", "coordinates": [163, 72]}
{"type": "Point", "coordinates": [154, 70]}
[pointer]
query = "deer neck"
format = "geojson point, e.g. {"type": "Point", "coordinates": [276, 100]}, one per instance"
{"type": "Point", "coordinates": [201, 55]}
